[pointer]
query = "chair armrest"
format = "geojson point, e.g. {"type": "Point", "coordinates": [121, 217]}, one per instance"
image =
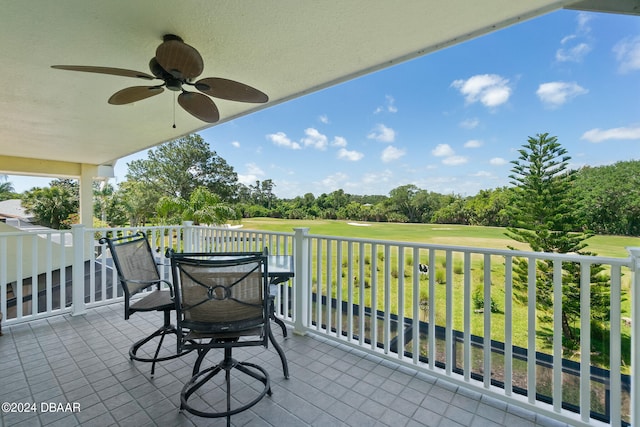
{"type": "Point", "coordinates": [153, 282]}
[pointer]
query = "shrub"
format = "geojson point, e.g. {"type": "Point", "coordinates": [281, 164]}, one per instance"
{"type": "Point", "coordinates": [478, 300]}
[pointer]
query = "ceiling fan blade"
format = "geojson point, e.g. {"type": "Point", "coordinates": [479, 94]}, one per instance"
{"type": "Point", "coordinates": [133, 94]}
{"type": "Point", "coordinates": [179, 59]}
{"type": "Point", "coordinates": [199, 106]}
{"type": "Point", "coordinates": [105, 70]}
{"type": "Point", "coordinates": [231, 90]}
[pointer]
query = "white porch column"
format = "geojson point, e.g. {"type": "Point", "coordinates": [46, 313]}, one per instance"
{"type": "Point", "coordinates": [77, 278]}
{"type": "Point", "coordinates": [87, 172]}
{"type": "Point", "coordinates": [301, 307]}
{"type": "Point", "coordinates": [635, 337]}
{"type": "Point", "coordinates": [187, 235]}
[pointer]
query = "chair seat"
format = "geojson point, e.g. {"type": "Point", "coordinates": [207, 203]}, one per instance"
{"type": "Point", "coordinates": [223, 336]}
{"type": "Point", "coordinates": [155, 300]}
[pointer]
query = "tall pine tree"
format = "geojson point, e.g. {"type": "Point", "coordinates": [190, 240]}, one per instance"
{"type": "Point", "coordinates": [543, 214]}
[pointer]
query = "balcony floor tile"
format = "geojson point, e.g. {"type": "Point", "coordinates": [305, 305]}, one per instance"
{"type": "Point", "coordinates": [84, 359]}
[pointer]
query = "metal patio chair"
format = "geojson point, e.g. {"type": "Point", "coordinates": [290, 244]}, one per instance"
{"type": "Point", "coordinates": [222, 301]}
{"type": "Point", "coordinates": [137, 272]}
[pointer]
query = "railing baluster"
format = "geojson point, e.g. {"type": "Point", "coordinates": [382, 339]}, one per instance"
{"type": "Point", "coordinates": [531, 331]}
{"type": "Point", "coordinates": [432, 309]}
{"type": "Point", "coordinates": [63, 273]}
{"type": "Point", "coordinates": [387, 299]}
{"type": "Point", "coordinates": [400, 287]}
{"type": "Point", "coordinates": [329, 292]}
{"type": "Point", "coordinates": [615, 345]}
{"type": "Point", "coordinates": [415, 318]}
{"type": "Point", "coordinates": [34, 274]}
{"type": "Point", "coordinates": [19, 277]}
{"type": "Point", "coordinates": [487, 321]}
{"type": "Point", "coordinates": [318, 310]}
{"type": "Point", "coordinates": [361, 292]}
{"type": "Point", "coordinates": [467, 317]}
{"type": "Point", "coordinates": [585, 341]}
{"type": "Point", "coordinates": [48, 288]}
{"type": "Point", "coordinates": [374, 296]}
{"type": "Point", "coordinates": [350, 291]}
{"type": "Point", "coordinates": [557, 338]}
{"type": "Point", "coordinates": [448, 341]}
{"type": "Point", "coordinates": [339, 322]}
{"type": "Point", "coordinates": [3, 276]}
{"type": "Point", "coordinates": [508, 329]}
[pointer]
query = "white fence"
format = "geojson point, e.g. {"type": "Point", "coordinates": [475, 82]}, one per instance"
{"type": "Point", "coordinates": [469, 319]}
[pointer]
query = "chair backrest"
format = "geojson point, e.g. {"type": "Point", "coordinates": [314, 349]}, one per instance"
{"type": "Point", "coordinates": [134, 262]}
{"type": "Point", "coordinates": [221, 293]}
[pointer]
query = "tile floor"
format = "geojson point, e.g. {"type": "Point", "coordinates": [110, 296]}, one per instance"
{"type": "Point", "coordinates": [83, 361]}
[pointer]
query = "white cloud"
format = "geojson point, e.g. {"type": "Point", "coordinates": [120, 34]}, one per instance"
{"type": "Point", "coordinates": [455, 160]}
{"type": "Point", "coordinates": [389, 106]}
{"type": "Point", "coordinates": [470, 123]}
{"type": "Point", "coordinates": [254, 173]}
{"type": "Point", "coordinates": [583, 19]}
{"type": "Point", "coordinates": [281, 140]}
{"type": "Point", "coordinates": [253, 168]}
{"type": "Point", "coordinates": [489, 89]}
{"type": "Point", "coordinates": [374, 178]}
{"type": "Point", "coordinates": [382, 133]}
{"type": "Point", "coordinates": [473, 143]}
{"type": "Point", "coordinates": [574, 47]}
{"type": "Point", "coordinates": [334, 181]}
{"type": "Point", "coordinates": [482, 174]}
{"type": "Point", "coordinates": [323, 119]}
{"type": "Point", "coordinates": [235, 144]}
{"type": "Point", "coordinates": [498, 161]}
{"type": "Point", "coordinates": [391, 153]}
{"type": "Point", "coordinates": [554, 94]}
{"type": "Point", "coordinates": [351, 155]}
{"type": "Point", "coordinates": [624, 133]}
{"type": "Point", "coordinates": [315, 139]}
{"type": "Point", "coordinates": [573, 54]}
{"type": "Point", "coordinates": [339, 141]}
{"type": "Point", "coordinates": [443, 150]}
{"type": "Point", "coordinates": [628, 54]}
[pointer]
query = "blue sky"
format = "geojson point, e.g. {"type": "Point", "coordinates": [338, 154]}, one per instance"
{"type": "Point", "coordinates": [451, 121]}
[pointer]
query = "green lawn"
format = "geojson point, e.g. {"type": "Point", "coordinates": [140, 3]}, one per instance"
{"type": "Point", "coordinates": [485, 237]}
{"type": "Point", "coordinates": [463, 235]}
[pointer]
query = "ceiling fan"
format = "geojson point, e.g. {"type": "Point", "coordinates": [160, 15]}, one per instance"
{"type": "Point", "coordinates": [177, 64]}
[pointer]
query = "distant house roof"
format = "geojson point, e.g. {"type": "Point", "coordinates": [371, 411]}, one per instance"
{"type": "Point", "coordinates": [13, 209]}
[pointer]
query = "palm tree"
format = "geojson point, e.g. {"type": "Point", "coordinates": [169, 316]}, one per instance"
{"type": "Point", "coordinates": [6, 188]}
{"type": "Point", "coordinates": [203, 207]}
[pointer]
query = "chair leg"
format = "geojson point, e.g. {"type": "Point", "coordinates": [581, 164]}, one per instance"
{"type": "Point", "coordinates": [226, 365]}
{"type": "Point", "coordinates": [196, 366]}
{"type": "Point", "coordinates": [276, 319]}
{"type": "Point", "coordinates": [167, 328]}
{"type": "Point", "coordinates": [283, 358]}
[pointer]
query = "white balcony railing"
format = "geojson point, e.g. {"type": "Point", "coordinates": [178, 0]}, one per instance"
{"type": "Point", "coordinates": [374, 295]}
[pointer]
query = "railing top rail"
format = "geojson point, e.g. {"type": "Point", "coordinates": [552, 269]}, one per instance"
{"type": "Point", "coordinates": [32, 232]}
{"type": "Point", "coordinates": [245, 230]}
{"type": "Point", "coordinates": [143, 227]}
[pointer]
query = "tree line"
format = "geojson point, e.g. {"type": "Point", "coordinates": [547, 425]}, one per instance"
{"type": "Point", "coordinates": [547, 206]}
{"type": "Point", "coordinates": [160, 189]}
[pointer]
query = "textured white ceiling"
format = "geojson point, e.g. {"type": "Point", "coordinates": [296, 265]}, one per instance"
{"type": "Point", "coordinates": [284, 48]}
